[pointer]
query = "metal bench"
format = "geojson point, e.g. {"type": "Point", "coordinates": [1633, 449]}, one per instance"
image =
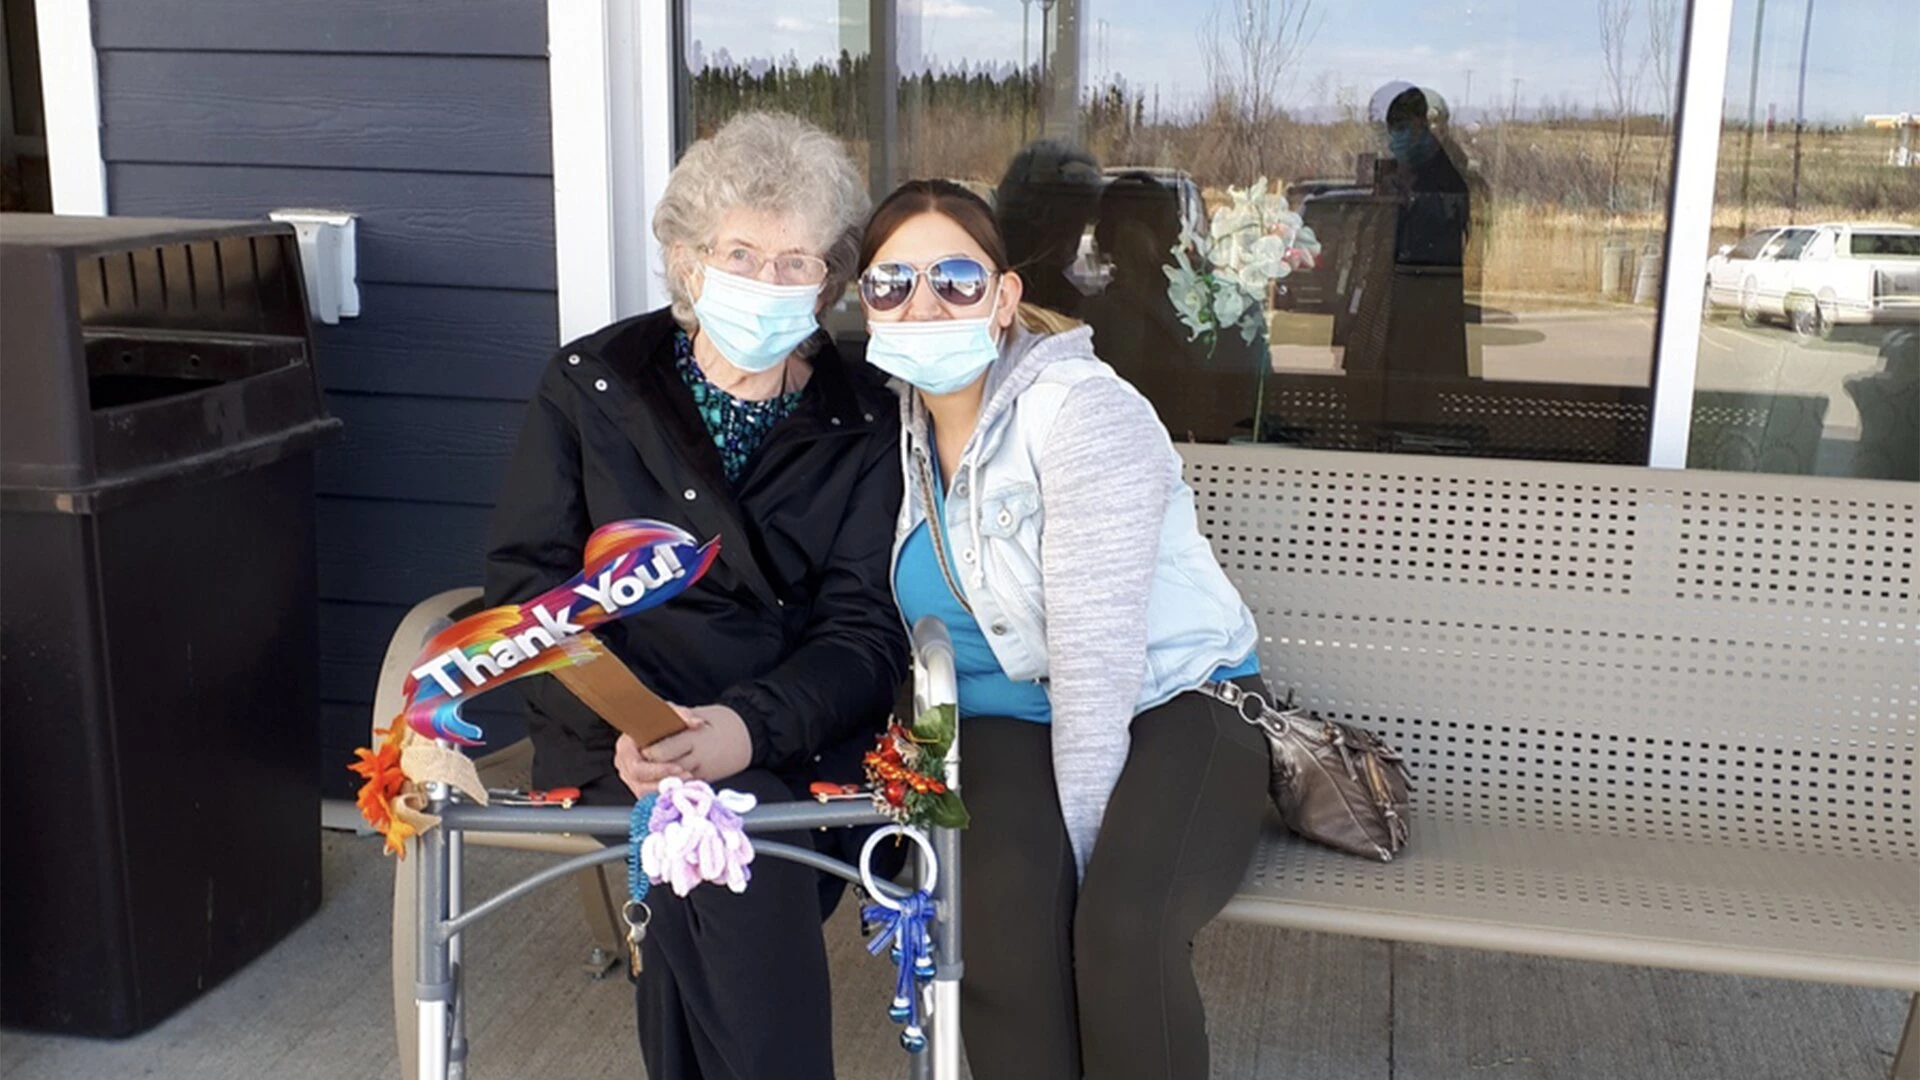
{"type": "Point", "coordinates": [1654, 717]}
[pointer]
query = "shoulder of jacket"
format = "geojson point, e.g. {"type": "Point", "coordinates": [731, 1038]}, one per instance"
{"type": "Point", "coordinates": [1080, 381]}
{"type": "Point", "coordinates": [619, 336]}
{"type": "Point", "coordinates": [614, 345]}
{"type": "Point", "coordinates": [872, 391]}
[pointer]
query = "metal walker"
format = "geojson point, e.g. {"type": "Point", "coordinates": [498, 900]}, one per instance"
{"type": "Point", "coordinates": [441, 915]}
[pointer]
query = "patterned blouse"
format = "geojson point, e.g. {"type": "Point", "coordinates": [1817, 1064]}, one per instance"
{"type": "Point", "coordinates": [738, 427]}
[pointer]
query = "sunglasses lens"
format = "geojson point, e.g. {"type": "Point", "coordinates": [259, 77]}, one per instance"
{"type": "Point", "coordinates": [960, 282]}
{"type": "Point", "coordinates": [886, 286]}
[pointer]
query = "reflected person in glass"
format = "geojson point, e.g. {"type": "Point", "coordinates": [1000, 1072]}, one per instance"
{"type": "Point", "coordinates": [1114, 805]}
{"type": "Point", "coordinates": [1407, 301]}
{"type": "Point", "coordinates": [1044, 202]}
{"type": "Point", "coordinates": [731, 415]}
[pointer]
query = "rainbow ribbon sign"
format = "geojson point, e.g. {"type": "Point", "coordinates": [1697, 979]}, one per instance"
{"type": "Point", "coordinates": [631, 566]}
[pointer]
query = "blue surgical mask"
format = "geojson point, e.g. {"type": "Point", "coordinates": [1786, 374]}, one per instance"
{"type": "Point", "coordinates": [755, 325]}
{"type": "Point", "coordinates": [1411, 145]}
{"type": "Point", "coordinates": [938, 356]}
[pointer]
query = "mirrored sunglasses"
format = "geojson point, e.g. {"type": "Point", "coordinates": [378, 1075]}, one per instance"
{"type": "Point", "coordinates": [958, 281]}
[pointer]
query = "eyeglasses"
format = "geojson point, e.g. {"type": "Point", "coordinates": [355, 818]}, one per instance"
{"type": "Point", "coordinates": [791, 268]}
{"type": "Point", "coordinates": [957, 280]}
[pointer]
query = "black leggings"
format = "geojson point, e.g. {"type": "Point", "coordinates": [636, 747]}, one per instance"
{"type": "Point", "coordinates": [1096, 979]}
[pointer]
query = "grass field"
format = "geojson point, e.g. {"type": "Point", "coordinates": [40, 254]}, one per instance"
{"type": "Point", "coordinates": [1550, 195]}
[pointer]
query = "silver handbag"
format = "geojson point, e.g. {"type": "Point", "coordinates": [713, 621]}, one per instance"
{"type": "Point", "coordinates": [1333, 783]}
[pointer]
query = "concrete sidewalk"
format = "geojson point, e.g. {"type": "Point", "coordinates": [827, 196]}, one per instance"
{"type": "Point", "coordinates": [1281, 1005]}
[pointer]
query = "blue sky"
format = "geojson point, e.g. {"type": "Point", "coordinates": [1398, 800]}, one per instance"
{"type": "Point", "coordinates": [1864, 55]}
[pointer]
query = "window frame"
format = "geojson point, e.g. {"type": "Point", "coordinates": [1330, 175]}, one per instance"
{"type": "Point", "coordinates": [617, 103]}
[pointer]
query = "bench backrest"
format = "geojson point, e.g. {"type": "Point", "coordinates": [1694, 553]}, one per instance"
{"type": "Point", "coordinates": [1722, 656]}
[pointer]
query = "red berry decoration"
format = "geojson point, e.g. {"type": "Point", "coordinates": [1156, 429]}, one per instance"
{"type": "Point", "coordinates": [912, 761]}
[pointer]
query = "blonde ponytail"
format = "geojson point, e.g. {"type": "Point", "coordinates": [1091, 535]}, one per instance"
{"type": "Point", "coordinates": [1040, 320]}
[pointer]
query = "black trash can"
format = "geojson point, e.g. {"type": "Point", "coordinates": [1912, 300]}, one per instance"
{"type": "Point", "coordinates": [159, 728]}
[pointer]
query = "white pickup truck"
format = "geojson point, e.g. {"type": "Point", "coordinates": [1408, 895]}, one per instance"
{"type": "Point", "coordinates": [1818, 277]}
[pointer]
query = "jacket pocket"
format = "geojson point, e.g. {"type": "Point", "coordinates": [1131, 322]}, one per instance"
{"type": "Point", "coordinates": [1005, 510]}
{"type": "Point", "coordinates": [1010, 520]}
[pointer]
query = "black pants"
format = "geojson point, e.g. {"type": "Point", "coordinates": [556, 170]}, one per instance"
{"type": "Point", "coordinates": [734, 986]}
{"type": "Point", "coordinates": [1096, 978]}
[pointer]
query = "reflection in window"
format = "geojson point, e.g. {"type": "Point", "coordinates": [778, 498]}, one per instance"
{"type": "Point", "coordinates": [1474, 193]}
{"type": "Point", "coordinates": [1809, 361]}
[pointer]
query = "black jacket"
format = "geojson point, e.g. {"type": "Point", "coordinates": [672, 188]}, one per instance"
{"type": "Point", "coordinates": [794, 627]}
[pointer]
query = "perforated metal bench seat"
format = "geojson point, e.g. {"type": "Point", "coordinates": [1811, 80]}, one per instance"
{"type": "Point", "coordinates": [1632, 900]}
{"type": "Point", "coordinates": [1656, 717]}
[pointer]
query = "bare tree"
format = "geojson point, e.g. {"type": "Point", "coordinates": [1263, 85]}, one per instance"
{"type": "Point", "coordinates": [1663, 18]}
{"type": "Point", "coordinates": [1250, 56]}
{"type": "Point", "coordinates": [1663, 57]}
{"type": "Point", "coordinates": [1624, 70]}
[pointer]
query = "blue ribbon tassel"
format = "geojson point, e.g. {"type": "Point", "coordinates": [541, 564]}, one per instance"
{"type": "Point", "coordinates": [905, 936]}
{"type": "Point", "coordinates": [637, 883]}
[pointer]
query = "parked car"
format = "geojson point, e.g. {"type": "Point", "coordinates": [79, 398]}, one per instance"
{"type": "Point", "coordinates": [1299, 191]}
{"type": "Point", "coordinates": [1819, 277]}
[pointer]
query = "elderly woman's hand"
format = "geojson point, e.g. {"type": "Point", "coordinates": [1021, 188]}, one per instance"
{"type": "Point", "coordinates": [714, 746]}
{"type": "Point", "coordinates": [641, 776]}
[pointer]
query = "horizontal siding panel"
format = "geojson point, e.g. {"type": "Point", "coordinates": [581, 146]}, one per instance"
{"type": "Point", "coordinates": [446, 450]}
{"type": "Point", "coordinates": [443, 114]}
{"type": "Point", "coordinates": [468, 27]}
{"type": "Point", "coordinates": [376, 552]}
{"type": "Point", "coordinates": [415, 228]}
{"type": "Point", "coordinates": [343, 727]}
{"type": "Point", "coordinates": [414, 339]}
{"type": "Point", "coordinates": [353, 645]}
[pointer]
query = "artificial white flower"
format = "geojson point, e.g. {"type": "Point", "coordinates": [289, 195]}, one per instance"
{"type": "Point", "coordinates": [1191, 300]}
{"type": "Point", "coordinates": [1229, 303]}
{"type": "Point", "coordinates": [1225, 273]}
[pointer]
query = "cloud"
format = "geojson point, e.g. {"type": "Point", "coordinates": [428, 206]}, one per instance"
{"type": "Point", "coordinates": [952, 9]}
{"type": "Point", "coordinates": [792, 25]}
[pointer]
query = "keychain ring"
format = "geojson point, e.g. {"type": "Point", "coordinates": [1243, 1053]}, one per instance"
{"type": "Point", "coordinates": [866, 862]}
{"type": "Point", "coordinates": [646, 914]}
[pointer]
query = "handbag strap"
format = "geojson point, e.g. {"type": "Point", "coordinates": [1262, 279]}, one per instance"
{"type": "Point", "coordinates": [936, 527]}
{"type": "Point", "coordinates": [1251, 706]}
{"type": "Point", "coordinates": [1291, 724]}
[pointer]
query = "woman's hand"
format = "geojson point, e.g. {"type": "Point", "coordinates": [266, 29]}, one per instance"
{"type": "Point", "coordinates": [641, 776]}
{"type": "Point", "coordinates": [714, 746]}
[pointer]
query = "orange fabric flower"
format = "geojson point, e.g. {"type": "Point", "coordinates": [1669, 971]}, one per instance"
{"type": "Point", "coordinates": [380, 767]}
{"type": "Point", "coordinates": [397, 834]}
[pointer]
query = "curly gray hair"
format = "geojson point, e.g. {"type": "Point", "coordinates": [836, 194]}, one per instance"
{"type": "Point", "coordinates": [770, 162]}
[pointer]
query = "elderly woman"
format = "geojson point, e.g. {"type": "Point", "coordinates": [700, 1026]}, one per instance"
{"type": "Point", "coordinates": [729, 414]}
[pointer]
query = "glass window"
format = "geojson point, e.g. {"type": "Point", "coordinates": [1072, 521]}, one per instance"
{"type": "Point", "coordinates": [1788, 244]}
{"type": "Point", "coordinates": [1750, 247]}
{"type": "Point", "coordinates": [1897, 243]}
{"type": "Point", "coordinates": [1809, 361]}
{"type": "Point", "coordinates": [1429, 227]}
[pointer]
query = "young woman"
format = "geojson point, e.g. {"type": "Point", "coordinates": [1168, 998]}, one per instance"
{"type": "Point", "coordinates": [1115, 804]}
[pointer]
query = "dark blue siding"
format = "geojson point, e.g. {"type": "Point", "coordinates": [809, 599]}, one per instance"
{"type": "Point", "coordinates": [428, 119]}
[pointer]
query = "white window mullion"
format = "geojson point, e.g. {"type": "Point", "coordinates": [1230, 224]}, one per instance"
{"type": "Point", "coordinates": [583, 178]}
{"type": "Point", "coordinates": [1703, 91]}
{"type": "Point", "coordinates": [70, 88]}
{"type": "Point", "coordinates": [646, 90]}
{"type": "Point", "coordinates": [610, 76]}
